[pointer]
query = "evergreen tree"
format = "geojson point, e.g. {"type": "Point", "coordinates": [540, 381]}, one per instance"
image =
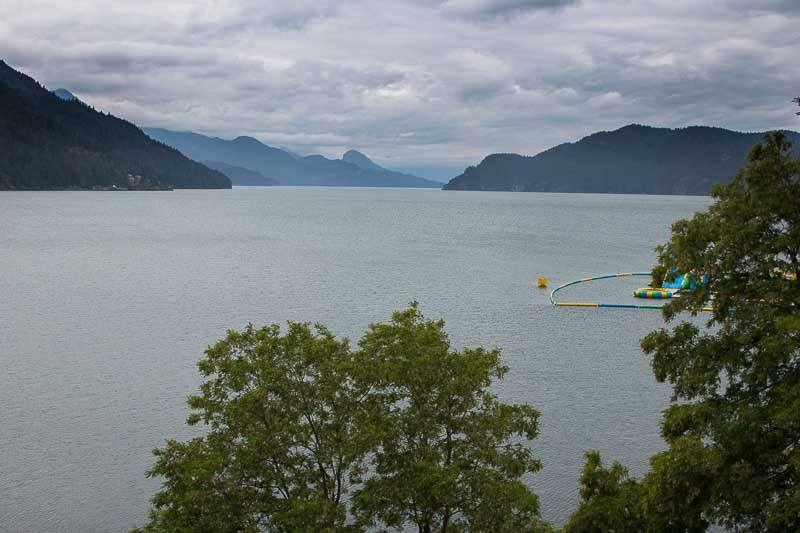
{"type": "Point", "coordinates": [733, 429]}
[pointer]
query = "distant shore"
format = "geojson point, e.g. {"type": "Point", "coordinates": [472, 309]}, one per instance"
{"type": "Point", "coordinates": [96, 188]}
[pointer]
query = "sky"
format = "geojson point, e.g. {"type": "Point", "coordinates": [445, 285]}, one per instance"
{"type": "Point", "coordinates": [427, 85]}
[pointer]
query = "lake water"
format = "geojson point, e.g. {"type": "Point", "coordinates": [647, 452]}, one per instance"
{"type": "Point", "coordinates": [107, 301]}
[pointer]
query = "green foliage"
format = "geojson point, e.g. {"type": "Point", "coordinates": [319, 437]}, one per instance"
{"type": "Point", "coordinates": [734, 429]}
{"type": "Point", "coordinates": [444, 460]}
{"type": "Point", "coordinates": [610, 500]}
{"type": "Point", "coordinates": [734, 425]}
{"type": "Point", "coordinates": [299, 426]}
{"type": "Point", "coordinates": [674, 494]}
{"type": "Point", "coordinates": [671, 497]}
{"type": "Point", "coordinates": [282, 445]}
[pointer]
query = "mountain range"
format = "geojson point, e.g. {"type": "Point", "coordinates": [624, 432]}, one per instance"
{"type": "Point", "coordinates": [52, 141]}
{"type": "Point", "coordinates": [634, 159]}
{"type": "Point", "coordinates": [353, 170]}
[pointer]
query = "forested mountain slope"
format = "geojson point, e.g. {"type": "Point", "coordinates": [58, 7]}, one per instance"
{"type": "Point", "coordinates": [51, 143]}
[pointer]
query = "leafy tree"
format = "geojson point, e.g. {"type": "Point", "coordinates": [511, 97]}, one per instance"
{"type": "Point", "coordinates": [734, 429]}
{"type": "Point", "coordinates": [445, 460]}
{"type": "Point", "coordinates": [282, 443]}
{"type": "Point", "coordinates": [298, 426]}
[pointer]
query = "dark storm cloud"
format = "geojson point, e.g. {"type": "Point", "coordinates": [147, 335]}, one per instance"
{"type": "Point", "coordinates": [415, 83]}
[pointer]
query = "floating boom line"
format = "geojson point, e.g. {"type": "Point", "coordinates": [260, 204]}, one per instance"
{"type": "Point", "coordinates": [600, 304]}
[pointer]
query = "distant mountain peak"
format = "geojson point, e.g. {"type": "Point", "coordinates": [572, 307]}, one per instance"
{"type": "Point", "coordinates": [358, 159]}
{"type": "Point", "coordinates": [65, 95]}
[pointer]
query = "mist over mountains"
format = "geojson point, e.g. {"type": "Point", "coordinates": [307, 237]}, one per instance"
{"type": "Point", "coordinates": [634, 159]}
{"type": "Point", "coordinates": [353, 170]}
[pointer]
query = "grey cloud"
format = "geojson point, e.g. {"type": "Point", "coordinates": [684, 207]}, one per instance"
{"type": "Point", "coordinates": [220, 22]}
{"type": "Point", "coordinates": [501, 8]}
{"type": "Point", "coordinates": [409, 82]}
{"type": "Point", "coordinates": [773, 6]}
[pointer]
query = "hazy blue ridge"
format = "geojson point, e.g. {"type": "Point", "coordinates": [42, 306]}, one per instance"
{"type": "Point", "coordinates": [240, 175]}
{"type": "Point", "coordinates": [634, 159]}
{"type": "Point", "coordinates": [286, 168]}
{"type": "Point", "coordinates": [51, 143]}
{"type": "Point", "coordinates": [288, 151]}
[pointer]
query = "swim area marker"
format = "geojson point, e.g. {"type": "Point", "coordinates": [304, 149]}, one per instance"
{"type": "Point", "coordinates": [593, 304]}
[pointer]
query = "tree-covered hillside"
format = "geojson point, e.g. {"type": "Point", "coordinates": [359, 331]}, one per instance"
{"type": "Point", "coordinates": [50, 143]}
{"type": "Point", "coordinates": [633, 159]}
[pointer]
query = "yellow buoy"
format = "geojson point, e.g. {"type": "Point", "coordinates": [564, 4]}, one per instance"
{"type": "Point", "coordinates": [541, 282]}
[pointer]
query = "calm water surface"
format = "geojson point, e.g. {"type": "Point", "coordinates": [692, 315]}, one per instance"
{"type": "Point", "coordinates": [107, 300]}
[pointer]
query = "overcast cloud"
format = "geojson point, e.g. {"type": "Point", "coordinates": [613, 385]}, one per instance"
{"type": "Point", "coordinates": [416, 83]}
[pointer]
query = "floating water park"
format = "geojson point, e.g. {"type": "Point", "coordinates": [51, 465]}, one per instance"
{"type": "Point", "coordinates": [668, 290]}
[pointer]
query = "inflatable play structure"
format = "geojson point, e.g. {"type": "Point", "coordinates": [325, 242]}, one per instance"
{"type": "Point", "coordinates": [649, 292]}
{"type": "Point", "coordinates": [668, 289]}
